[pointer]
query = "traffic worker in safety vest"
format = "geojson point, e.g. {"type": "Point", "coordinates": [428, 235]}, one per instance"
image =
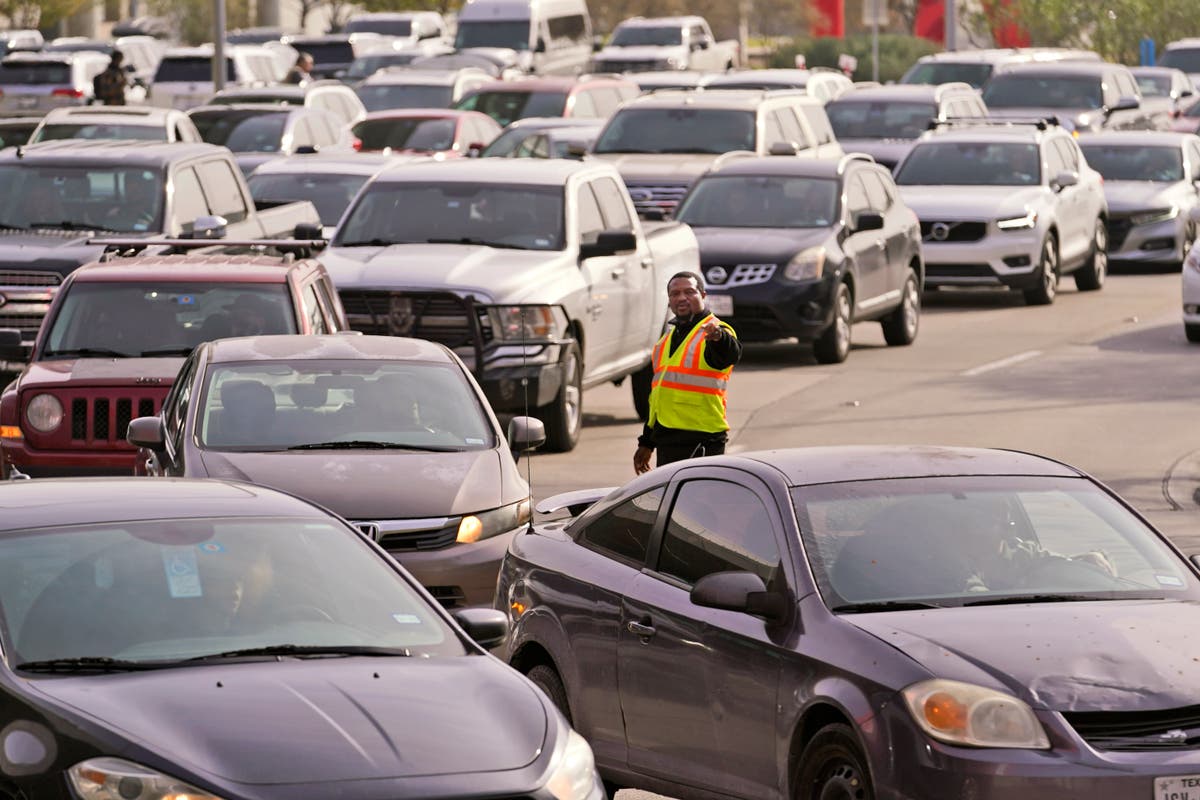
{"type": "Point", "coordinates": [692, 364]}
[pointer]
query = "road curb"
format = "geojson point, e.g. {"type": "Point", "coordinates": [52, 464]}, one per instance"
{"type": "Point", "coordinates": [1181, 484]}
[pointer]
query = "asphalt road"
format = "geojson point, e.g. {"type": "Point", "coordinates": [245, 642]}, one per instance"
{"type": "Point", "coordinates": [1104, 380]}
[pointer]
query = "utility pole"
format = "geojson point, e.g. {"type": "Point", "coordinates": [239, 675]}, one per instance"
{"type": "Point", "coordinates": [875, 40]}
{"type": "Point", "coordinates": [951, 34]}
{"type": "Point", "coordinates": [218, 64]}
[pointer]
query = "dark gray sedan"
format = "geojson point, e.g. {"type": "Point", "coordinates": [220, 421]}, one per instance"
{"type": "Point", "coordinates": [865, 622]}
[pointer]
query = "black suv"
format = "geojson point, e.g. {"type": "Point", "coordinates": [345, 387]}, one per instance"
{"type": "Point", "coordinates": [804, 248]}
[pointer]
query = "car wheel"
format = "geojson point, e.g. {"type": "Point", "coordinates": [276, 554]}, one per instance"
{"type": "Point", "coordinates": [1047, 287]}
{"type": "Point", "coordinates": [900, 327]}
{"type": "Point", "coordinates": [545, 678]}
{"type": "Point", "coordinates": [564, 416]}
{"type": "Point", "coordinates": [1090, 277]}
{"type": "Point", "coordinates": [1193, 332]}
{"type": "Point", "coordinates": [832, 346]}
{"type": "Point", "coordinates": [832, 767]}
{"type": "Point", "coordinates": [639, 385]}
{"type": "Point", "coordinates": [1189, 238]}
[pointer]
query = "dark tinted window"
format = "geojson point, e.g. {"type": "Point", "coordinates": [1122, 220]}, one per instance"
{"type": "Point", "coordinates": [1135, 163]}
{"type": "Point", "coordinates": [406, 133]}
{"type": "Point", "coordinates": [760, 201]}
{"type": "Point", "coordinates": [625, 530]}
{"type": "Point", "coordinates": [568, 30]}
{"type": "Point", "coordinates": [1043, 91]}
{"type": "Point", "coordinates": [717, 526]}
{"type": "Point", "coordinates": [637, 36]}
{"type": "Point", "coordinates": [242, 131]}
{"type": "Point", "coordinates": [970, 163]}
{"type": "Point", "coordinates": [513, 35]}
{"type": "Point", "coordinates": [678, 130]}
{"type": "Point", "coordinates": [327, 52]}
{"type": "Point", "coordinates": [329, 193]}
{"type": "Point", "coordinates": [34, 73]}
{"type": "Point", "coordinates": [1186, 59]}
{"type": "Point", "coordinates": [504, 107]}
{"type": "Point", "coordinates": [974, 74]}
{"type": "Point", "coordinates": [388, 27]}
{"type": "Point", "coordinates": [853, 119]}
{"type": "Point", "coordinates": [381, 97]}
{"type": "Point", "coordinates": [190, 69]}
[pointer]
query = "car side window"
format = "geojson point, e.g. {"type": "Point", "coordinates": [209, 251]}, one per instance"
{"type": "Point", "coordinates": [624, 531]}
{"type": "Point", "coordinates": [188, 199]}
{"type": "Point", "coordinates": [718, 526]}
{"type": "Point", "coordinates": [1055, 163]}
{"type": "Point", "coordinates": [792, 131]}
{"type": "Point", "coordinates": [876, 194]}
{"type": "Point", "coordinates": [1194, 157]}
{"type": "Point", "coordinates": [584, 105]}
{"type": "Point", "coordinates": [175, 415]}
{"type": "Point", "coordinates": [818, 120]}
{"type": "Point", "coordinates": [326, 294]}
{"type": "Point", "coordinates": [590, 220]}
{"type": "Point", "coordinates": [312, 310]}
{"type": "Point", "coordinates": [856, 195]}
{"type": "Point", "coordinates": [774, 131]}
{"type": "Point", "coordinates": [612, 204]}
{"type": "Point", "coordinates": [222, 187]}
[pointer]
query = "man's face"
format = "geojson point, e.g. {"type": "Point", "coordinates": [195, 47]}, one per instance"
{"type": "Point", "coordinates": [684, 297]}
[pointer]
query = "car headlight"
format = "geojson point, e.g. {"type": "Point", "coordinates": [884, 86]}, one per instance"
{"type": "Point", "coordinates": [517, 323]}
{"type": "Point", "coordinates": [575, 776]}
{"type": "Point", "coordinates": [44, 413]}
{"type": "Point", "coordinates": [489, 523]}
{"type": "Point", "coordinates": [1154, 215]}
{"type": "Point", "coordinates": [117, 779]}
{"type": "Point", "coordinates": [807, 265]}
{"type": "Point", "coordinates": [962, 713]}
{"type": "Point", "coordinates": [1018, 223]}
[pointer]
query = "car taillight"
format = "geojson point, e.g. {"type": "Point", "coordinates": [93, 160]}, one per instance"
{"type": "Point", "coordinates": [356, 143]}
{"type": "Point", "coordinates": [67, 93]}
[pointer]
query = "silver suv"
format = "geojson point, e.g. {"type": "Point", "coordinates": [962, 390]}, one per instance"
{"type": "Point", "coordinates": [33, 83]}
{"type": "Point", "coordinates": [1007, 204]}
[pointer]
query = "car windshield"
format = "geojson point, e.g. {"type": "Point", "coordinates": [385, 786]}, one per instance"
{"type": "Point", "coordinates": [948, 72]}
{"type": "Point", "coordinates": [971, 164]}
{"type": "Point", "coordinates": [1154, 85]}
{"type": "Point", "coordinates": [34, 73]}
{"type": "Point", "coordinates": [501, 215]}
{"type": "Point", "coordinates": [506, 106]}
{"type": "Point", "coordinates": [174, 589]}
{"type": "Point", "coordinates": [383, 96]}
{"type": "Point", "coordinates": [331, 194]}
{"type": "Point", "coordinates": [1135, 162]}
{"type": "Point", "coordinates": [387, 27]}
{"type": "Point", "coordinates": [12, 134]}
{"type": "Point", "coordinates": [511, 34]}
{"type": "Point", "coordinates": [637, 36]}
{"type": "Point", "coordinates": [855, 119]}
{"type": "Point", "coordinates": [110, 197]}
{"type": "Point", "coordinates": [243, 131]}
{"type": "Point", "coordinates": [278, 405]}
{"type": "Point", "coordinates": [168, 318]}
{"type": "Point", "coordinates": [678, 130]}
{"type": "Point", "coordinates": [97, 130]}
{"type": "Point", "coordinates": [956, 540]}
{"type": "Point", "coordinates": [1184, 58]}
{"type": "Point", "coordinates": [327, 52]}
{"type": "Point", "coordinates": [190, 69]}
{"type": "Point", "coordinates": [760, 201]}
{"type": "Point", "coordinates": [1043, 91]}
{"type": "Point", "coordinates": [365, 66]}
{"type": "Point", "coordinates": [406, 133]}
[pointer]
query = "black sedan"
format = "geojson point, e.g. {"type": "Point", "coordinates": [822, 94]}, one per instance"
{"type": "Point", "coordinates": [804, 248]}
{"type": "Point", "coordinates": [865, 622]}
{"type": "Point", "coordinates": [211, 640]}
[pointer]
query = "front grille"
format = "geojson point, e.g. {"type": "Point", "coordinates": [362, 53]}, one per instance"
{"type": "Point", "coordinates": [420, 540]}
{"type": "Point", "coordinates": [959, 271]}
{"type": "Point", "coordinates": [1173, 728]}
{"type": "Point", "coordinates": [101, 422]}
{"type": "Point", "coordinates": [438, 317]}
{"type": "Point", "coordinates": [657, 197]}
{"type": "Point", "coordinates": [27, 324]}
{"type": "Point", "coordinates": [15, 277]}
{"type": "Point", "coordinates": [625, 65]}
{"type": "Point", "coordinates": [1118, 230]}
{"type": "Point", "coordinates": [952, 231]}
{"type": "Point", "coordinates": [739, 275]}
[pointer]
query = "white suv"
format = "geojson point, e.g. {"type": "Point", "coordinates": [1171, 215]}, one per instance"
{"type": "Point", "coordinates": [1009, 204]}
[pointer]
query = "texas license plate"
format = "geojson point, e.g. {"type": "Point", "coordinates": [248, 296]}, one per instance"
{"type": "Point", "coordinates": [1178, 787]}
{"type": "Point", "coordinates": [721, 304]}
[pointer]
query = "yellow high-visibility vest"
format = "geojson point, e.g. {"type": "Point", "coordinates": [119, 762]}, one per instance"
{"type": "Point", "coordinates": [687, 393]}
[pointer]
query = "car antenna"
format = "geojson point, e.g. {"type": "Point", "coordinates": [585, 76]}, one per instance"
{"type": "Point", "coordinates": [525, 388]}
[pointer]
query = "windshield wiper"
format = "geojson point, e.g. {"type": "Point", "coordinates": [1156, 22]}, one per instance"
{"type": "Point", "coordinates": [480, 242]}
{"type": "Point", "coordinates": [169, 351]}
{"type": "Point", "coordinates": [371, 243]}
{"type": "Point", "coordinates": [68, 225]}
{"type": "Point", "coordinates": [367, 444]}
{"type": "Point", "coordinates": [301, 650]}
{"type": "Point", "coordinates": [86, 664]}
{"type": "Point", "coordinates": [681, 150]}
{"type": "Point", "coordinates": [882, 605]}
{"type": "Point", "coordinates": [1036, 598]}
{"type": "Point", "coordinates": [87, 352]}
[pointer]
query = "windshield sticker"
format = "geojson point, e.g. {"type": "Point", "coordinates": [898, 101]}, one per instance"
{"type": "Point", "coordinates": [211, 547]}
{"type": "Point", "coordinates": [1168, 580]}
{"type": "Point", "coordinates": [473, 440]}
{"type": "Point", "coordinates": [186, 300]}
{"type": "Point", "coordinates": [407, 619]}
{"type": "Point", "coordinates": [183, 578]}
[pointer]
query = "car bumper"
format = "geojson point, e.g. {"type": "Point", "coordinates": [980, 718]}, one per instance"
{"type": "Point", "coordinates": [764, 312]}
{"type": "Point", "coordinates": [66, 463]}
{"type": "Point", "coordinates": [1158, 242]}
{"type": "Point", "coordinates": [1008, 260]}
{"type": "Point", "coordinates": [462, 575]}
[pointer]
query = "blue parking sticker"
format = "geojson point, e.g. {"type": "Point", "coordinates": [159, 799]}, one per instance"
{"type": "Point", "coordinates": [183, 577]}
{"type": "Point", "coordinates": [185, 300]}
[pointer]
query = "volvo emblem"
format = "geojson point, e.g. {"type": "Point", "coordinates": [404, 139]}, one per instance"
{"type": "Point", "coordinates": [939, 232]}
{"type": "Point", "coordinates": [370, 530]}
{"type": "Point", "coordinates": [717, 275]}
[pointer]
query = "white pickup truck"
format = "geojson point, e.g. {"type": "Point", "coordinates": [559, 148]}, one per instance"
{"type": "Point", "coordinates": [645, 44]}
{"type": "Point", "coordinates": [538, 274]}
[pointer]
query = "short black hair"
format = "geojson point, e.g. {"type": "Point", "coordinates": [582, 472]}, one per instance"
{"type": "Point", "coordinates": [696, 276]}
{"type": "Point", "coordinates": [117, 57]}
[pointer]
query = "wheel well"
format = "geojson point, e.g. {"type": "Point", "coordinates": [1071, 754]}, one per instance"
{"type": "Point", "coordinates": [530, 656]}
{"type": "Point", "coordinates": [576, 332]}
{"type": "Point", "coordinates": [848, 279]}
{"type": "Point", "coordinates": [918, 268]}
{"type": "Point", "coordinates": [813, 720]}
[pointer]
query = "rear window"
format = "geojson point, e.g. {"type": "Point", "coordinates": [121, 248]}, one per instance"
{"type": "Point", "coordinates": [854, 119]}
{"type": "Point", "coordinates": [1184, 58]}
{"type": "Point", "coordinates": [329, 193]}
{"type": "Point", "coordinates": [504, 107]}
{"type": "Point", "coordinates": [327, 52]}
{"type": "Point", "coordinates": [974, 74]}
{"type": "Point", "coordinates": [190, 69]}
{"type": "Point", "coordinates": [243, 132]}
{"type": "Point", "coordinates": [34, 73]}
{"type": "Point", "coordinates": [382, 97]}
{"type": "Point", "coordinates": [150, 133]}
{"type": "Point", "coordinates": [678, 130]}
{"type": "Point", "coordinates": [409, 133]}
{"type": "Point", "coordinates": [388, 27]}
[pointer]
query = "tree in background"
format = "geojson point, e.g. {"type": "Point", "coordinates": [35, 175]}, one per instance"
{"type": "Point", "coordinates": [1113, 28]}
{"type": "Point", "coordinates": [897, 52]}
{"type": "Point", "coordinates": [38, 13]}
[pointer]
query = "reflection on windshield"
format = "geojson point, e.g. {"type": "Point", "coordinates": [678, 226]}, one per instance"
{"type": "Point", "coordinates": [243, 132]}
{"type": "Point", "coordinates": [974, 74]}
{"type": "Point", "coordinates": [637, 36]}
{"type": "Point", "coordinates": [956, 540]}
{"type": "Point", "coordinates": [166, 590]}
{"type": "Point", "coordinates": [971, 163]}
{"type": "Point", "coordinates": [101, 197]}
{"type": "Point", "coordinates": [380, 97]}
{"type": "Point", "coordinates": [281, 405]}
{"type": "Point", "coordinates": [880, 120]}
{"type": "Point", "coordinates": [406, 133]}
{"type": "Point", "coordinates": [1036, 91]}
{"type": "Point", "coordinates": [329, 193]}
{"type": "Point", "coordinates": [1185, 59]}
{"type": "Point", "coordinates": [755, 201]}
{"type": "Point", "coordinates": [1140, 163]}
{"type": "Point", "coordinates": [513, 35]}
{"type": "Point", "coordinates": [678, 130]}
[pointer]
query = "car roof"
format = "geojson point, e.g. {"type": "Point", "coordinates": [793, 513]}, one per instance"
{"type": "Point", "coordinates": [148, 115]}
{"type": "Point", "coordinates": [1081, 68]}
{"type": "Point", "coordinates": [988, 133]}
{"type": "Point", "coordinates": [899, 92]}
{"type": "Point", "coordinates": [39, 503]}
{"type": "Point", "coordinates": [658, 22]}
{"type": "Point", "coordinates": [187, 268]}
{"type": "Point", "coordinates": [526, 171]}
{"type": "Point", "coordinates": [550, 84]}
{"type": "Point", "coordinates": [741, 99]}
{"type": "Point", "coordinates": [780, 165]}
{"type": "Point", "coordinates": [332, 163]}
{"type": "Point", "coordinates": [329, 346]}
{"type": "Point", "coordinates": [278, 108]}
{"type": "Point", "coordinates": [114, 151]}
{"type": "Point", "coordinates": [545, 123]}
{"type": "Point", "coordinates": [1137, 138]}
{"type": "Point", "coordinates": [409, 77]}
{"type": "Point", "coordinates": [282, 90]}
{"type": "Point", "coordinates": [54, 57]}
{"type": "Point", "coordinates": [417, 113]}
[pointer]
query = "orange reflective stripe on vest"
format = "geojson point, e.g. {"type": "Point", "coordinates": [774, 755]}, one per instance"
{"type": "Point", "coordinates": [686, 392]}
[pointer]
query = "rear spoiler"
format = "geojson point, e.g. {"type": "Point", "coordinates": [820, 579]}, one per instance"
{"type": "Point", "coordinates": [575, 502]}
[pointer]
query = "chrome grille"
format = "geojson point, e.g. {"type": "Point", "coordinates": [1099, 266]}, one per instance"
{"type": "Point", "coordinates": [739, 275]}
{"type": "Point", "coordinates": [400, 535]}
{"type": "Point", "coordinates": [16, 277]}
{"type": "Point", "coordinates": [953, 231]}
{"type": "Point", "coordinates": [1173, 728]}
{"type": "Point", "coordinates": [441, 318]}
{"type": "Point", "coordinates": [657, 197]}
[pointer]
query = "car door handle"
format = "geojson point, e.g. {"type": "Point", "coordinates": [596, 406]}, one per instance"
{"type": "Point", "coordinates": [617, 272]}
{"type": "Point", "coordinates": [638, 629]}
{"type": "Point", "coordinates": [647, 262]}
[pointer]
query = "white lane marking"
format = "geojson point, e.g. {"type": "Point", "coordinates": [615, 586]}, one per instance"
{"type": "Point", "coordinates": [1004, 362]}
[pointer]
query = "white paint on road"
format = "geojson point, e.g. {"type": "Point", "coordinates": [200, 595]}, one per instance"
{"type": "Point", "coordinates": [1002, 363]}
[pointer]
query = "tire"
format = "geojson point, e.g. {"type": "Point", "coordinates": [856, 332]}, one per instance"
{"type": "Point", "coordinates": [832, 767]}
{"type": "Point", "coordinates": [1193, 332]}
{"type": "Point", "coordinates": [611, 789]}
{"type": "Point", "coordinates": [1090, 277]}
{"type": "Point", "coordinates": [900, 327]}
{"type": "Point", "coordinates": [1043, 294]}
{"type": "Point", "coordinates": [639, 386]}
{"type": "Point", "coordinates": [833, 345]}
{"type": "Point", "coordinates": [545, 678]}
{"type": "Point", "coordinates": [564, 416]}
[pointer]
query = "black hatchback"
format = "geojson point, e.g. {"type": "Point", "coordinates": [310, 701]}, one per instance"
{"type": "Point", "coordinates": [220, 641]}
{"type": "Point", "coordinates": [804, 248]}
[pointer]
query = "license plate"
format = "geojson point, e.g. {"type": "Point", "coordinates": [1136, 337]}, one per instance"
{"type": "Point", "coordinates": [722, 306]}
{"type": "Point", "coordinates": [27, 102]}
{"type": "Point", "coordinates": [1179, 787]}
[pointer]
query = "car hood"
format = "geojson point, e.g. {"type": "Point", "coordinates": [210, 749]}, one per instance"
{"type": "Point", "coordinates": [49, 250]}
{"type": "Point", "coordinates": [726, 246]}
{"type": "Point", "coordinates": [322, 721]}
{"type": "Point", "coordinates": [970, 202]}
{"type": "Point", "coordinates": [373, 484]}
{"type": "Point", "coordinates": [643, 52]}
{"type": "Point", "coordinates": [1069, 118]}
{"type": "Point", "coordinates": [1126, 196]}
{"type": "Point", "coordinates": [888, 152]}
{"type": "Point", "coordinates": [678, 168]}
{"type": "Point", "coordinates": [79, 372]}
{"type": "Point", "coordinates": [486, 272]}
{"type": "Point", "coordinates": [1090, 656]}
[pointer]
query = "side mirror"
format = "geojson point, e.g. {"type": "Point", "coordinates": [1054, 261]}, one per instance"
{"type": "Point", "coordinates": [146, 432]}
{"type": "Point", "coordinates": [306, 150]}
{"type": "Point", "coordinates": [474, 149]}
{"type": "Point", "coordinates": [308, 231]}
{"type": "Point", "coordinates": [703, 44]}
{"type": "Point", "coordinates": [525, 434]}
{"type": "Point", "coordinates": [609, 243]}
{"type": "Point", "coordinates": [487, 626]}
{"type": "Point", "coordinates": [541, 46]}
{"type": "Point", "coordinates": [1064, 179]}
{"type": "Point", "coordinates": [652, 214]}
{"type": "Point", "coordinates": [738, 591]}
{"type": "Point", "coordinates": [208, 227]}
{"type": "Point", "coordinates": [783, 149]}
{"type": "Point", "coordinates": [868, 221]}
{"type": "Point", "coordinates": [11, 346]}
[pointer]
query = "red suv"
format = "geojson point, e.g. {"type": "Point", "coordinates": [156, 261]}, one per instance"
{"type": "Point", "coordinates": [115, 337]}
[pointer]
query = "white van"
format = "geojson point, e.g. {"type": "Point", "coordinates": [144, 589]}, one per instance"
{"type": "Point", "coordinates": [551, 37]}
{"type": "Point", "coordinates": [183, 79]}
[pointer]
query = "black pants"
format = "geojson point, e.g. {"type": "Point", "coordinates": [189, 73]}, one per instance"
{"type": "Point", "coordinates": [678, 452]}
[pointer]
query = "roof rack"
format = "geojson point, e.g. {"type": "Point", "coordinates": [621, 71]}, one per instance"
{"type": "Point", "coordinates": [845, 160]}
{"type": "Point", "coordinates": [294, 248]}
{"type": "Point", "coordinates": [1041, 123]}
